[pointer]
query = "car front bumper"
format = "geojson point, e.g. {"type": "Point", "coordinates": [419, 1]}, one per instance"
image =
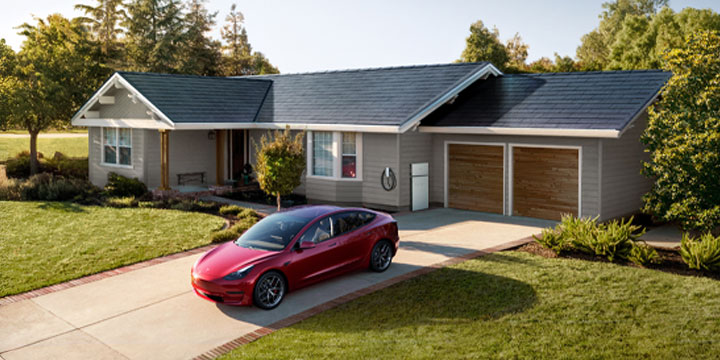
{"type": "Point", "coordinates": [237, 293]}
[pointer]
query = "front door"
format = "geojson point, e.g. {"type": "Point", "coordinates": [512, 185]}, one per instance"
{"type": "Point", "coordinates": [238, 145]}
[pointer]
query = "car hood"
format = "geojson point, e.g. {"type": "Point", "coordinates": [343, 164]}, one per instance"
{"type": "Point", "coordinates": [227, 258]}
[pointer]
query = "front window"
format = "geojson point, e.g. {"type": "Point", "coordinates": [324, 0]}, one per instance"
{"type": "Point", "coordinates": [117, 146]}
{"type": "Point", "coordinates": [349, 156]}
{"type": "Point", "coordinates": [322, 153]}
{"type": "Point", "coordinates": [272, 233]}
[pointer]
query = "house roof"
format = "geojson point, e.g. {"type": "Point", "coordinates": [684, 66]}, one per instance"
{"type": "Point", "coordinates": [580, 100]}
{"type": "Point", "coordinates": [381, 96]}
{"type": "Point", "coordinates": [201, 99]}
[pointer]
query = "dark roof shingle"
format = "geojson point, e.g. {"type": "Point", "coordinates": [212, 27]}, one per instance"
{"type": "Point", "coordinates": [590, 100]}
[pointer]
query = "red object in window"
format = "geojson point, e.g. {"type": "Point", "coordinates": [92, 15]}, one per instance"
{"type": "Point", "coordinates": [349, 167]}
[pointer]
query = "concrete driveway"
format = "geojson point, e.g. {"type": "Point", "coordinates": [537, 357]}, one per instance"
{"type": "Point", "coordinates": [153, 313]}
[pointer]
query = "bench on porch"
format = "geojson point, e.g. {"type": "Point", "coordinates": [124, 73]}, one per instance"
{"type": "Point", "coordinates": [184, 178]}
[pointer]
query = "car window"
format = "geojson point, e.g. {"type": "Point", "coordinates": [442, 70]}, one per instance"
{"type": "Point", "coordinates": [272, 233]}
{"type": "Point", "coordinates": [318, 232]}
{"type": "Point", "coordinates": [349, 221]}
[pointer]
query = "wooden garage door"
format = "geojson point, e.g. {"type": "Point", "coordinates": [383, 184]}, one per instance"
{"type": "Point", "coordinates": [545, 182]}
{"type": "Point", "coordinates": [475, 177]}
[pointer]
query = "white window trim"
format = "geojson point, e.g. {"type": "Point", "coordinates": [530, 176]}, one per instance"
{"type": "Point", "coordinates": [337, 158]}
{"type": "Point", "coordinates": [117, 156]}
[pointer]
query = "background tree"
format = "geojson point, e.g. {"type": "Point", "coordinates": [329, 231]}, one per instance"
{"type": "Point", "coordinates": [683, 137]}
{"type": "Point", "coordinates": [238, 57]}
{"type": "Point", "coordinates": [8, 64]}
{"type": "Point", "coordinates": [154, 35]}
{"type": "Point", "coordinates": [103, 20]}
{"type": "Point", "coordinates": [57, 70]}
{"type": "Point", "coordinates": [280, 163]}
{"type": "Point", "coordinates": [484, 45]}
{"type": "Point", "coordinates": [200, 55]}
{"type": "Point", "coordinates": [517, 52]}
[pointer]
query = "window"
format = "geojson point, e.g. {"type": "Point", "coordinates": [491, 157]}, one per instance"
{"type": "Point", "coordinates": [318, 232]}
{"type": "Point", "coordinates": [349, 221]}
{"type": "Point", "coordinates": [322, 161]}
{"type": "Point", "coordinates": [335, 155]}
{"type": "Point", "coordinates": [349, 155]}
{"type": "Point", "coordinates": [117, 146]}
{"type": "Point", "coordinates": [272, 233]}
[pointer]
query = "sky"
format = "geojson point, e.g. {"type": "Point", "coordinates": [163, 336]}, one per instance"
{"type": "Point", "coordinates": [316, 35]}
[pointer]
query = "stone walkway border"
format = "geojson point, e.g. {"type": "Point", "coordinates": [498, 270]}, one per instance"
{"type": "Point", "coordinates": [252, 336]}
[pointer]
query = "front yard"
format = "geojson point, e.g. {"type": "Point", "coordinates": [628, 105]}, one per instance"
{"type": "Point", "coordinates": [44, 243]}
{"type": "Point", "coordinates": [514, 305]}
{"type": "Point", "coordinates": [72, 147]}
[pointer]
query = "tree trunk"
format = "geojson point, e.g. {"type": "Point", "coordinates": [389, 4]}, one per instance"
{"type": "Point", "coordinates": [278, 201]}
{"type": "Point", "coordinates": [33, 152]}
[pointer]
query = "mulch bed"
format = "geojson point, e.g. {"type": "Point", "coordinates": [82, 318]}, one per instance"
{"type": "Point", "coordinates": [671, 261]}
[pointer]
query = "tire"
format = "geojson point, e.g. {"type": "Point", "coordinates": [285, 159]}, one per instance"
{"type": "Point", "coordinates": [381, 256]}
{"type": "Point", "coordinates": [270, 289]}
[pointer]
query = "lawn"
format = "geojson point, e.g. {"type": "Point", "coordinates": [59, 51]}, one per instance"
{"type": "Point", "coordinates": [514, 305]}
{"type": "Point", "coordinates": [44, 243]}
{"type": "Point", "coordinates": [73, 147]}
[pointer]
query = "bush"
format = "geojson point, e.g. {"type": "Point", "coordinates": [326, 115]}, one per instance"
{"type": "Point", "coordinates": [233, 232]}
{"type": "Point", "coordinates": [642, 254]}
{"type": "Point", "coordinates": [68, 167]}
{"type": "Point", "coordinates": [702, 254]}
{"type": "Point", "coordinates": [53, 188]}
{"type": "Point", "coordinates": [551, 239]}
{"type": "Point", "coordinates": [230, 210]}
{"type": "Point", "coordinates": [121, 202]}
{"type": "Point", "coordinates": [191, 205]}
{"type": "Point", "coordinates": [120, 186]}
{"type": "Point", "coordinates": [19, 166]}
{"type": "Point", "coordinates": [248, 214]}
{"type": "Point", "coordinates": [10, 190]}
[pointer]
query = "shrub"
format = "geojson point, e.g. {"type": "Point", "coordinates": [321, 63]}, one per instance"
{"type": "Point", "coordinates": [121, 202]}
{"type": "Point", "coordinates": [120, 186]}
{"type": "Point", "coordinates": [53, 188]}
{"type": "Point", "coordinates": [146, 204]}
{"type": "Point", "coordinates": [612, 240]}
{"type": "Point", "coordinates": [579, 233]}
{"type": "Point", "coordinates": [10, 189]}
{"type": "Point", "coordinates": [68, 167]}
{"type": "Point", "coordinates": [248, 214]}
{"type": "Point", "coordinates": [230, 210]}
{"type": "Point", "coordinates": [642, 254]}
{"type": "Point", "coordinates": [551, 239]}
{"type": "Point", "coordinates": [702, 254]}
{"type": "Point", "coordinates": [233, 232]}
{"type": "Point", "coordinates": [19, 165]}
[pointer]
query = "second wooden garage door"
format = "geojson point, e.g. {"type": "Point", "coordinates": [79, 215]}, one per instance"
{"type": "Point", "coordinates": [545, 182]}
{"type": "Point", "coordinates": [475, 177]}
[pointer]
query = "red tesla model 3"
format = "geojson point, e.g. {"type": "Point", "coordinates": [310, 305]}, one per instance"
{"type": "Point", "coordinates": [294, 248]}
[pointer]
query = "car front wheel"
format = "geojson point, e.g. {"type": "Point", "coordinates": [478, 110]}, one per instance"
{"type": "Point", "coordinates": [269, 291]}
{"type": "Point", "coordinates": [381, 256]}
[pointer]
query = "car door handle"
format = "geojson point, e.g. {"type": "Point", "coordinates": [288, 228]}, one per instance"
{"type": "Point", "coordinates": [333, 244]}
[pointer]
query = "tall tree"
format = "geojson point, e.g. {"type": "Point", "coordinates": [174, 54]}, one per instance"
{"type": "Point", "coordinates": [154, 35]}
{"type": "Point", "coordinates": [57, 69]}
{"type": "Point", "coordinates": [103, 20]}
{"type": "Point", "coordinates": [238, 57]}
{"type": "Point", "coordinates": [517, 52]}
{"type": "Point", "coordinates": [200, 54]}
{"type": "Point", "coordinates": [8, 64]}
{"type": "Point", "coordinates": [594, 50]}
{"type": "Point", "coordinates": [683, 137]}
{"type": "Point", "coordinates": [484, 45]}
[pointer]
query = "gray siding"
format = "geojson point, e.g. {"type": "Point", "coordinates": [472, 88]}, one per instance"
{"type": "Point", "coordinates": [380, 151]}
{"type": "Point", "coordinates": [97, 171]}
{"type": "Point", "coordinates": [622, 183]}
{"type": "Point", "coordinates": [124, 107]}
{"type": "Point", "coordinates": [415, 147]}
{"type": "Point", "coordinates": [590, 164]}
{"type": "Point", "coordinates": [190, 151]}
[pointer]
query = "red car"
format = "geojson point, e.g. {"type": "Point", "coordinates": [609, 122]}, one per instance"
{"type": "Point", "coordinates": [292, 249]}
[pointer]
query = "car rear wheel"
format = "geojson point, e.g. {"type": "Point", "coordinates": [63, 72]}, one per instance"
{"type": "Point", "coordinates": [269, 291]}
{"type": "Point", "coordinates": [381, 256]}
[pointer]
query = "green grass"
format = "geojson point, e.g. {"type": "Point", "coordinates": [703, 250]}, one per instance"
{"type": "Point", "coordinates": [514, 305]}
{"type": "Point", "coordinates": [72, 130]}
{"type": "Point", "coordinates": [73, 147]}
{"type": "Point", "coordinates": [44, 243]}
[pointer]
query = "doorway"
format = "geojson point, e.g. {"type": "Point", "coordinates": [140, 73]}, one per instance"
{"type": "Point", "coordinates": [238, 153]}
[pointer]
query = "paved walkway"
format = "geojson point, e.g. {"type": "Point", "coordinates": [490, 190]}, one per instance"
{"type": "Point", "coordinates": [153, 313]}
{"type": "Point", "coordinates": [44, 136]}
{"type": "Point", "coordinates": [666, 236]}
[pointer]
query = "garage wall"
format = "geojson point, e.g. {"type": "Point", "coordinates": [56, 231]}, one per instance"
{"type": "Point", "coordinates": [590, 164]}
{"type": "Point", "coordinates": [415, 147]}
{"type": "Point", "coordinates": [622, 183]}
{"type": "Point", "coordinates": [98, 172]}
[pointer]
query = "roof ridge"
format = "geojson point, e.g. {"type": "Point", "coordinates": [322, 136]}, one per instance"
{"type": "Point", "coordinates": [191, 76]}
{"type": "Point", "coordinates": [591, 72]}
{"type": "Point", "coordinates": [373, 69]}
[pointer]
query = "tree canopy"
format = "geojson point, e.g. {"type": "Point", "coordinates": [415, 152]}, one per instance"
{"type": "Point", "coordinates": [683, 137]}
{"type": "Point", "coordinates": [484, 44]}
{"type": "Point", "coordinates": [280, 162]}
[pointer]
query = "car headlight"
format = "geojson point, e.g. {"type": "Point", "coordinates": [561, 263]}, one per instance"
{"type": "Point", "coordinates": [239, 274]}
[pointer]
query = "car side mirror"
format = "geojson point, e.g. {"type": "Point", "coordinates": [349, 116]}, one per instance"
{"type": "Point", "coordinates": [307, 245]}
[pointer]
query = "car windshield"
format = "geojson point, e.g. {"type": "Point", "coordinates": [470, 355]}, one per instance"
{"type": "Point", "coordinates": [272, 233]}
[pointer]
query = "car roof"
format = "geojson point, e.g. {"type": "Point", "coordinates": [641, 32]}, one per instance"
{"type": "Point", "coordinates": [315, 211]}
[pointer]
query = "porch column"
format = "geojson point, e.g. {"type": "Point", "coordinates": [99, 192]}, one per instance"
{"type": "Point", "coordinates": [164, 159]}
{"type": "Point", "coordinates": [219, 157]}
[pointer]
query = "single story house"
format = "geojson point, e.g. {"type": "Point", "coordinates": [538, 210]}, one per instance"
{"type": "Point", "coordinates": [460, 135]}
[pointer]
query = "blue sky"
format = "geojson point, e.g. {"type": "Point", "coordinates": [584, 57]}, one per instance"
{"type": "Point", "coordinates": [309, 35]}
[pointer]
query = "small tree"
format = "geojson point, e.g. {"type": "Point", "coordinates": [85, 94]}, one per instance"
{"type": "Point", "coordinates": [683, 137]}
{"type": "Point", "coordinates": [280, 163]}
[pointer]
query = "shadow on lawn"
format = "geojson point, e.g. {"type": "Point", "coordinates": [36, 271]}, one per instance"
{"type": "Point", "coordinates": [61, 206]}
